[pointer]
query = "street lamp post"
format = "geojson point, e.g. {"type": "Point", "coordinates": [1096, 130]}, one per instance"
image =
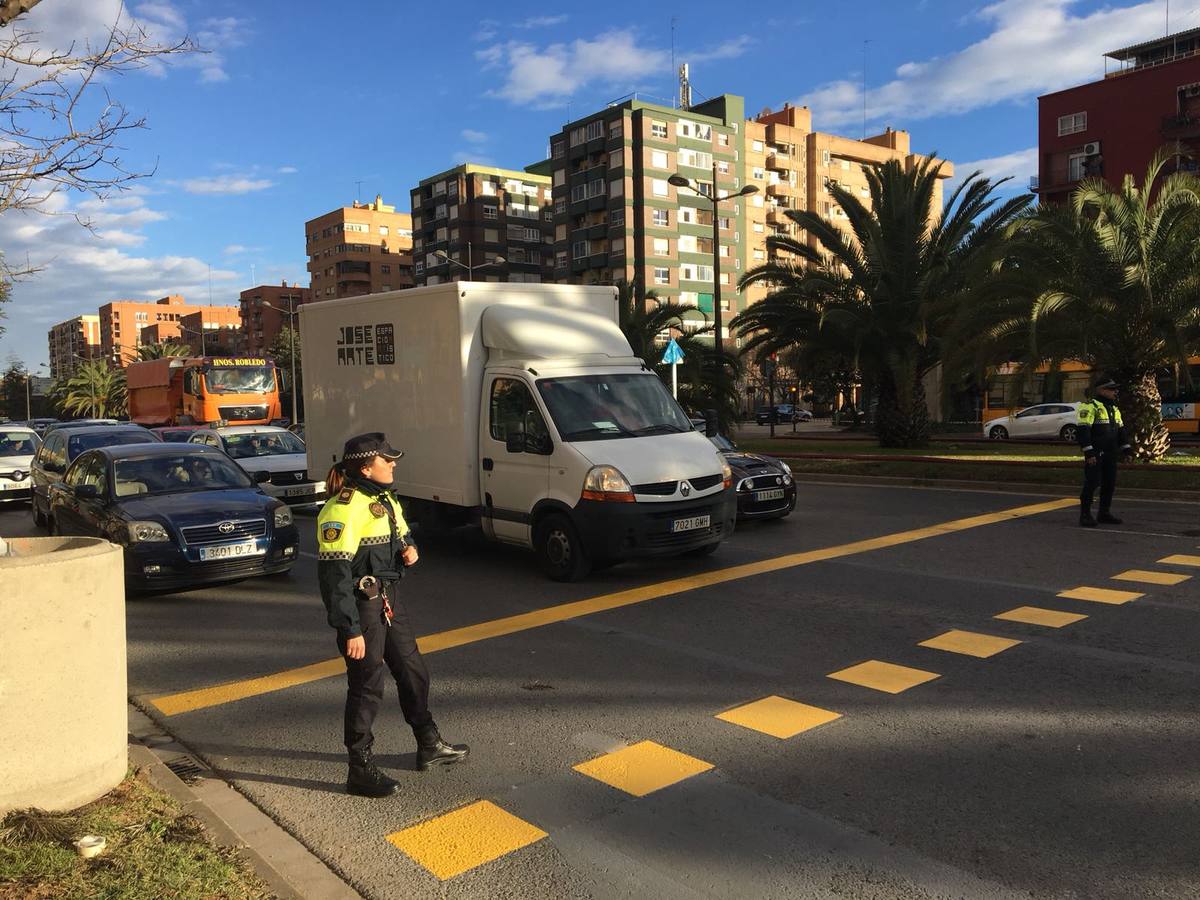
{"type": "Point", "coordinates": [291, 311]}
{"type": "Point", "coordinates": [470, 265]}
{"type": "Point", "coordinates": [29, 393]}
{"type": "Point", "coordinates": [187, 330]}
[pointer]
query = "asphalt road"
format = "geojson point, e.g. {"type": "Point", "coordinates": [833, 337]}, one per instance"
{"type": "Point", "coordinates": [1066, 765]}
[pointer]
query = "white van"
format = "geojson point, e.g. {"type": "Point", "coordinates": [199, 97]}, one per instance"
{"type": "Point", "coordinates": [522, 407]}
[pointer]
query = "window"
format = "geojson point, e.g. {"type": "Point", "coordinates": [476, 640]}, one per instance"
{"type": "Point", "coordinates": [578, 136]}
{"type": "Point", "coordinates": [1076, 167]}
{"type": "Point", "coordinates": [659, 187]}
{"type": "Point", "coordinates": [660, 217]}
{"type": "Point", "coordinates": [383, 229]}
{"type": "Point", "coordinates": [595, 188]}
{"type": "Point", "coordinates": [617, 246]}
{"type": "Point", "coordinates": [385, 270]}
{"type": "Point", "coordinates": [439, 188]}
{"type": "Point", "coordinates": [756, 146]}
{"type": "Point", "coordinates": [659, 159]}
{"type": "Point", "coordinates": [687, 243]}
{"type": "Point", "coordinates": [687, 215]}
{"type": "Point", "coordinates": [616, 159]}
{"type": "Point", "coordinates": [658, 130]}
{"type": "Point", "coordinates": [617, 217]}
{"type": "Point", "coordinates": [533, 234]}
{"type": "Point", "coordinates": [560, 206]}
{"type": "Point", "coordinates": [616, 129]}
{"type": "Point", "coordinates": [535, 257]}
{"type": "Point", "coordinates": [824, 157]}
{"type": "Point", "coordinates": [557, 150]}
{"type": "Point", "coordinates": [560, 177]}
{"type": "Point", "coordinates": [662, 275]}
{"type": "Point", "coordinates": [579, 250]}
{"type": "Point", "coordinates": [722, 139]}
{"type": "Point", "coordinates": [724, 223]}
{"type": "Point", "coordinates": [513, 412]}
{"type": "Point", "coordinates": [723, 168]}
{"type": "Point", "coordinates": [595, 130]}
{"type": "Point", "coordinates": [491, 235]}
{"type": "Point", "coordinates": [1072, 124]}
{"type": "Point", "coordinates": [759, 255]}
{"type": "Point", "coordinates": [560, 259]}
{"type": "Point", "coordinates": [616, 188]}
{"type": "Point", "coordinates": [845, 164]}
{"type": "Point", "coordinates": [358, 226]}
{"type": "Point", "coordinates": [696, 159]}
{"type": "Point", "coordinates": [758, 227]}
{"type": "Point", "coordinates": [487, 188]}
{"type": "Point", "coordinates": [662, 247]}
{"type": "Point", "coordinates": [579, 192]}
{"type": "Point", "coordinates": [517, 254]}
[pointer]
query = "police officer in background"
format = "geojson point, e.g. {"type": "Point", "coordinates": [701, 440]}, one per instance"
{"type": "Point", "coordinates": [365, 545]}
{"type": "Point", "coordinates": [1101, 434]}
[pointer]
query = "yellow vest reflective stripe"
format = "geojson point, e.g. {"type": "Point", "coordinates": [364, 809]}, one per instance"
{"type": "Point", "coordinates": [353, 518]}
{"type": "Point", "coordinates": [1093, 412]}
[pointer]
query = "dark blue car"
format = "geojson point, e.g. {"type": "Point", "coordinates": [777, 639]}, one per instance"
{"type": "Point", "coordinates": [186, 515]}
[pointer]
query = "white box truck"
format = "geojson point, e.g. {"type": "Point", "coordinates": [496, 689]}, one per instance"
{"type": "Point", "coordinates": [521, 407]}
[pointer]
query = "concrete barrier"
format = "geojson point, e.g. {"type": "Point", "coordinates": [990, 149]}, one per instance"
{"type": "Point", "coordinates": [63, 704]}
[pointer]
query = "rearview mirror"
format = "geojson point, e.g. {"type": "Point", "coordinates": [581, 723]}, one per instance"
{"type": "Point", "coordinates": [86, 491]}
{"type": "Point", "coordinates": [515, 442]}
{"type": "Point", "coordinates": [262, 476]}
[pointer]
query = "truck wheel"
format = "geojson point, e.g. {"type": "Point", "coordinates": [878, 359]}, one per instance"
{"type": "Point", "coordinates": [559, 549]}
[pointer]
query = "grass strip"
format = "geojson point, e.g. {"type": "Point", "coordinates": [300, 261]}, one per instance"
{"type": "Point", "coordinates": [154, 851]}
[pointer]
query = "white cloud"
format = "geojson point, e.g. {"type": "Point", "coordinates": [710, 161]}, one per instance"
{"type": "Point", "coordinates": [730, 49]}
{"type": "Point", "coordinates": [239, 250]}
{"type": "Point", "coordinates": [547, 76]}
{"type": "Point", "coordinates": [473, 136]}
{"type": "Point", "coordinates": [287, 170]}
{"type": "Point", "coordinates": [487, 29]}
{"type": "Point", "coordinates": [542, 21]}
{"type": "Point", "coordinates": [226, 184]}
{"type": "Point", "coordinates": [1018, 166]}
{"type": "Point", "coordinates": [1035, 46]}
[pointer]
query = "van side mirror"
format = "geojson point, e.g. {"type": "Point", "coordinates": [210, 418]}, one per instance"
{"type": "Point", "coordinates": [711, 427]}
{"type": "Point", "coordinates": [515, 442]}
{"type": "Point", "coordinates": [262, 476]}
{"type": "Point", "coordinates": [86, 491]}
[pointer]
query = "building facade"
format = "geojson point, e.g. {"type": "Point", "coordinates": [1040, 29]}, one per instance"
{"type": "Point", "coordinates": [211, 330]}
{"type": "Point", "coordinates": [265, 311]}
{"type": "Point", "coordinates": [125, 325]}
{"type": "Point", "coordinates": [1112, 127]}
{"type": "Point", "coordinates": [361, 249]}
{"type": "Point", "coordinates": [72, 343]}
{"type": "Point", "coordinates": [481, 223]}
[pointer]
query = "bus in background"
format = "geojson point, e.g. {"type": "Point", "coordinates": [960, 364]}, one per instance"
{"type": "Point", "coordinates": [203, 390]}
{"type": "Point", "coordinates": [1009, 391]}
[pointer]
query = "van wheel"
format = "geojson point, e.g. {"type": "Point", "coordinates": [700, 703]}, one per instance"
{"type": "Point", "coordinates": [559, 549]}
{"type": "Point", "coordinates": [1068, 433]}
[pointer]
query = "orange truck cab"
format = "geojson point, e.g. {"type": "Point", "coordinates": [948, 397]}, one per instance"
{"type": "Point", "coordinates": [203, 390]}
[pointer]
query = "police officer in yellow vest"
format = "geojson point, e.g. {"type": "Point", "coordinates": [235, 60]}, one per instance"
{"type": "Point", "coordinates": [365, 546]}
{"type": "Point", "coordinates": [1101, 434]}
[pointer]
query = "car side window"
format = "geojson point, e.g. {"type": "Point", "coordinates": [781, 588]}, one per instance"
{"type": "Point", "coordinates": [1032, 411]}
{"type": "Point", "coordinates": [513, 411]}
{"type": "Point", "coordinates": [54, 459]}
{"type": "Point", "coordinates": [97, 474]}
{"type": "Point", "coordinates": [77, 473]}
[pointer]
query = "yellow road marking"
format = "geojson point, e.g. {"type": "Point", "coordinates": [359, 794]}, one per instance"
{"type": "Point", "coordinates": [1181, 559]}
{"type": "Point", "coordinates": [643, 768]}
{"type": "Point", "coordinates": [458, 841]}
{"type": "Point", "coordinates": [1035, 615]}
{"type": "Point", "coordinates": [970, 643]}
{"type": "Point", "coordinates": [1100, 595]}
{"type": "Point", "coordinates": [778, 716]}
{"type": "Point", "coordinates": [1151, 577]}
{"type": "Point", "coordinates": [201, 698]}
{"type": "Point", "coordinates": [882, 676]}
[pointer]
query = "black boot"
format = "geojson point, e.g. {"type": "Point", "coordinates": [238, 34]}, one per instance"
{"type": "Point", "coordinates": [365, 778]}
{"type": "Point", "coordinates": [1107, 518]}
{"type": "Point", "coordinates": [432, 750]}
{"type": "Point", "coordinates": [1085, 519]}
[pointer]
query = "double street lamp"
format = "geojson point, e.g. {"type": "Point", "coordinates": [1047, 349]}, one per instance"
{"type": "Point", "coordinates": [470, 265]}
{"type": "Point", "coordinates": [291, 313]}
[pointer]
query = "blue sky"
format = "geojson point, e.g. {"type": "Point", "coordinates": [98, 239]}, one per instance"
{"type": "Point", "coordinates": [298, 101]}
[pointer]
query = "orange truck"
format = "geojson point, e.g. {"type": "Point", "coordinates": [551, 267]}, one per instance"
{"type": "Point", "coordinates": [203, 390]}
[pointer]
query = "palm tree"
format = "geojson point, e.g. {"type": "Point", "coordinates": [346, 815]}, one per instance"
{"type": "Point", "coordinates": [94, 390]}
{"type": "Point", "coordinates": [881, 295]}
{"type": "Point", "coordinates": [162, 350]}
{"type": "Point", "coordinates": [1112, 280]}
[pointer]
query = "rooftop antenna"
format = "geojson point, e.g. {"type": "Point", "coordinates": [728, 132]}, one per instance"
{"type": "Point", "coordinates": [864, 88]}
{"type": "Point", "coordinates": [251, 274]}
{"type": "Point", "coordinates": [358, 194]}
{"type": "Point", "coordinates": [673, 43]}
{"type": "Point", "coordinates": [685, 88]}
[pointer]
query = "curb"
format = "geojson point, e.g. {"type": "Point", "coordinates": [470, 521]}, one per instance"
{"type": "Point", "coordinates": [1008, 487]}
{"type": "Point", "coordinates": [231, 819]}
{"type": "Point", "coordinates": [961, 461]}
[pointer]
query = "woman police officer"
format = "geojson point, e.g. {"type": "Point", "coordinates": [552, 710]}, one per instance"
{"type": "Point", "coordinates": [365, 546]}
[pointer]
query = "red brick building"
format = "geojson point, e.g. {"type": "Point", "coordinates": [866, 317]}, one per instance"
{"type": "Point", "coordinates": [1113, 126]}
{"type": "Point", "coordinates": [264, 313]}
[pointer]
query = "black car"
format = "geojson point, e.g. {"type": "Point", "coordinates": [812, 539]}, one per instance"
{"type": "Point", "coordinates": [763, 485]}
{"type": "Point", "coordinates": [59, 449]}
{"type": "Point", "coordinates": [186, 515]}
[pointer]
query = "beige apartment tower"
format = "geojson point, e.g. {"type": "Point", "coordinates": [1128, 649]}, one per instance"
{"type": "Point", "coordinates": [72, 343]}
{"type": "Point", "coordinates": [360, 249]}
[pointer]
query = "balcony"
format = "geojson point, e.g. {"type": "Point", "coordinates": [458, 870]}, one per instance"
{"type": "Point", "coordinates": [781, 189]}
{"type": "Point", "coordinates": [777, 216]}
{"type": "Point", "coordinates": [779, 162]}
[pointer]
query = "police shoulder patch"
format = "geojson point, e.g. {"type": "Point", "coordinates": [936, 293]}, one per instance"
{"type": "Point", "coordinates": [346, 495]}
{"type": "Point", "coordinates": [377, 510]}
{"type": "Point", "coordinates": [331, 531]}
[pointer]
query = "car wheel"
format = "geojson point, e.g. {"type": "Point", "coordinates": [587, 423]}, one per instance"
{"type": "Point", "coordinates": [1068, 433]}
{"type": "Point", "coordinates": [39, 520]}
{"type": "Point", "coordinates": [998, 433]}
{"type": "Point", "coordinates": [52, 527]}
{"type": "Point", "coordinates": [559, 549]}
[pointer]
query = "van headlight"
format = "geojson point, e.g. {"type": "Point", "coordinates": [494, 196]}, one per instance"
{"type": "Point", "coordinates": [283, 516]}
{"type": "Point", "coordinates": [608, 484]}
{"type": "Point", "coordinates": [726, 471]}
{"type": "Point", "coordinates": [147, 533]}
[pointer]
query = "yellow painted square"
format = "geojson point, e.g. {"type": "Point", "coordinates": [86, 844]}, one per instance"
{"type": "Point", "coordinates": [970, 643]}
{"type": "Point", "coordinates": [1100, 595]}
{"type": "Point", "coordinates": [458, 841]}
{"type": "Point", "coordinates": [882, 676]}
{"type": "Point", "coordinates": [1181, 559]}
{"type": "Point", "coordinates": [1146, 577]}
{"type": "Point", "coordinates": [778, 716]}
{"type": "Point", "coordinates": [643, 768]}
{"type": "Point", "coordinates": [1035, 615]}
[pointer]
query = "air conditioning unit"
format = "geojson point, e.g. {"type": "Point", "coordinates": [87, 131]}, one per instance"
{"type": "Point", "coordinates": [1091, 148]}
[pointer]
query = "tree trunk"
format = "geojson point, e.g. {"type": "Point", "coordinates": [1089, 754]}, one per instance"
{"type": "Point", "coordinates": [1142, 414]}
{"type": "Point", "coordinates": [900, 424]}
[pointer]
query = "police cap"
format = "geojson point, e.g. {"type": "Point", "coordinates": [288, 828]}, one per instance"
{"type": "Point", "coordinates": [366, 447]}
{"type": "Point", "coordinates": [1104, 381]}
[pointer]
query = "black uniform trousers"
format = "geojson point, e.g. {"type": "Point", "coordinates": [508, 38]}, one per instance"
{"type": "Point", "coordinates": [389, 649]}
{"type": "Point", "coordinates": [1102, 474]}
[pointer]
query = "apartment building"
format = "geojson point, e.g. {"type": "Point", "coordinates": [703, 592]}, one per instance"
{"type": "Point", "coordinates": [482, 223]}
{"type": "Point", "coordinates": [211, 329]}
{"type": "Point", "coordinates": [618, 218]}
{"type": "Point", "coordinates": [1112, 127]}
{"type": "Point", "coordinates": [73, 342]}
{"type": "Point", "coordinates": [127, 324]}
{"type": "Point", "coordinates": [360, 249]}
{"type": "Point", "coordinates": [265, 311]}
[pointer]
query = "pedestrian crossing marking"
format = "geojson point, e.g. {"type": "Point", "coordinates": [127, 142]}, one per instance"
{"type": "Point", "coordinates": [778, 716]}
{"type": "Point", "coordinates": [1167, 578]}
{"type": "Point", "coordinates": [970, 643]}
{"type": "Point", "coordinates": [1035, 615]}
{"type": "Point", "coordinates": [1100, 595]}
{"type": "Point", "coordinates": [1181, 559]}
{"type": "Point", "coordinates": [459, 841]}
{"type": "Point", "coordinates": [643, 768]}
{"type": "Point", "coordinates": [883, 676]}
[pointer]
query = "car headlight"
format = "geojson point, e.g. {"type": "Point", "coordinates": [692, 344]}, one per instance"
{"type": "Point", "coordinates": [726, 471]}
{"type": "Point", "coordinates": [147, 533]}
{"type": "Point", "coordinates": [607, 483]}
{"type": "Point", "coordinates": [283, 517]}
{"type": "Point", "coordinates": [787, 470]}
{"type": "Point", "coordinates": [787, 479]}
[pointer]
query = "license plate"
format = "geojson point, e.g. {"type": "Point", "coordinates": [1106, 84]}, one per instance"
{"type": "Point", "coordinates": [230, 551]}
{"type": "Point", "coordinates": [690, 524]}
{"type": "Point", "coordinates": [761, 496]}
{"type": "Point", "coordinates": [298, 491]}
{"type": "Point", "coordinates": [8, 485]}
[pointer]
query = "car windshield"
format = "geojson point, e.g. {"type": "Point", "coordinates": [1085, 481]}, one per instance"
{"type": "Point", "coordinates": [18, 443]}
{"type": "Point", "coordinates": [79, 443]}
{"type": "Point", "coordinates": [240, 379]}
{"type": "Point", "coordinates": [274, 443]}
{"type": "Point", "coordinates": [175, 474]}
{"type": "Point", "coordinates": [721, 442]}
{"type": "Point", "coordinates": [602, 407]}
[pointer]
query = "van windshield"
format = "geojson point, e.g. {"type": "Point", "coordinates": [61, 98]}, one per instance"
{"type": "Point", "coordinates": [603, 407]}
{"type": "Point", "coordinates": [240, 379]}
